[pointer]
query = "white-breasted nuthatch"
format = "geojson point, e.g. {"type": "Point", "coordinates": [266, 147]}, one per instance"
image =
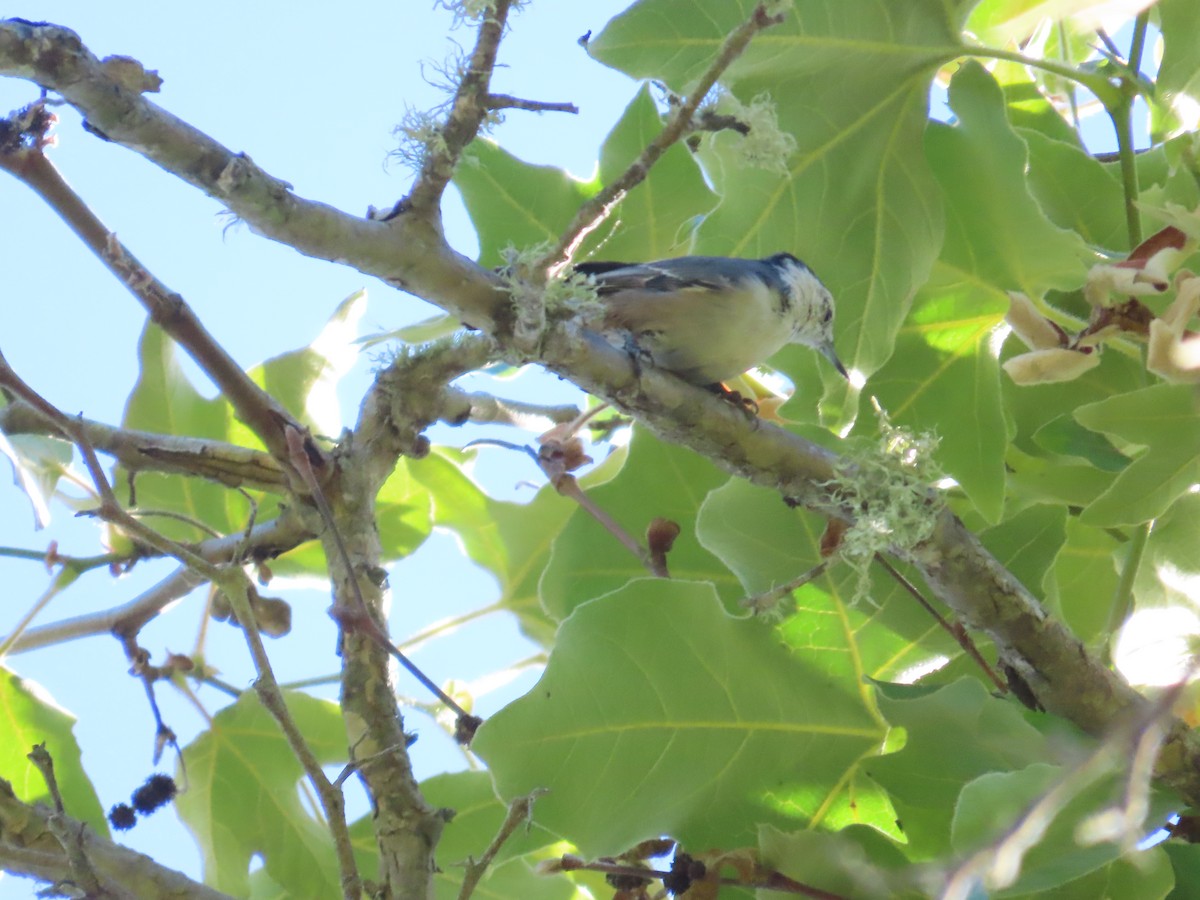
{"type": "Point", "coordinates": [710, 318]}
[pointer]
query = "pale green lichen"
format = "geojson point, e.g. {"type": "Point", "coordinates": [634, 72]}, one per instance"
{"type": "Point", "coordinates": [766, 145]}
{"type": "Point", "coordinates": [568, 296]}
{"type": "Point", "coordinates": [887, 483]}
{"type": "Point", "coordinates": [420, 134]}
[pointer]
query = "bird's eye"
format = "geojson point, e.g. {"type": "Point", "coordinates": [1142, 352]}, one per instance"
{"type": "Point", "coordinates": [828, 315]}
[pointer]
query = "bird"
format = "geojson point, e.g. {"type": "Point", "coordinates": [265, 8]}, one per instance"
{"type": "Point", "coordinates": [708, 319]}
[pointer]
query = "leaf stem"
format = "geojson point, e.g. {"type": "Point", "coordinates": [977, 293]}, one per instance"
{"type": "Point", "coordinates": [1097, 84]}
{"type": "Point", "coordinates": [1120, 110]}
{"type": "Point", "coordinates": [1122, 601]}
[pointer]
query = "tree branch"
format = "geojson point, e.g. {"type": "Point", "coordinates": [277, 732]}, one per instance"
{"type": "Point", "coordinates": [506, 101]}
{"type": "Point", "coordinates": [146, 451]}
{"type": "Point", "coordinates": [27, 847]}
{"type": "Point", "coordinates": [467, 113]}
{"type": "Point", "coordinates": [254, 406]}
{"type": "Point", "coordinates": [263, 542]}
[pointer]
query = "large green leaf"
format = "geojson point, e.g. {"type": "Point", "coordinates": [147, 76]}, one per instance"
{"type": "Point", "coordinates": [1180, 67]}
{"type": "Point", "coordinates": [1164, 419]}
{"type": "Point", "coordinates": [660, 714]}
{"type": "Point", "coordinates": [243, 797]}
{"type": "Point", "coordinates": [995, 229]}
{"type": "Point", "coordinates": [768, 544]}
{"type": "Point", "coordinates": [29, 716]}
{"type": "Point", "coordinates": [946, 360]}
{"type": "Point", "coordinates": [1076, 191]}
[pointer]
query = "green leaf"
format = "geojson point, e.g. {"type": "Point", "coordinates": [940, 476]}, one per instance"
{"type": "Point", "coordinates": [1146, 875]}
{"type": "Point", "coordinates": [1185, 860]}
{"type": "Point", "coordinates": [855, 862]}
{"type": "Point", "coordinates": [1180, 67]}
{"type": "Point", "coordinates": [478, 814]}
{"type": "Point", "coordinates": [968, 732]}
{"type": "Point", "coordinates": [1066, 437]}
{"type": "Point", "coordinates": [946, 359]}
{"type": "Point", "coordinates": [38, 462]}
{"type": "Point", "coordinates": [768, 544]}
{"type": "Point", "coordinates": [660, 714]}
{"type": "Point", "coordinates": [1084, 581]}
{"type": "Point", "coordinates": [404, 515]}
{"type": "Point", "coordinates": [1164, 419]}
{"type": "Point", "coordinates": [1170, 567]}
{"type": "Point", "coordinates": [762, 540]}
{"type": "Point", "coordinates": [995, 229]}
{"type": "Point", "coordinates": [514, 203]}
{"type": "Point", "coordinates": [305, 380]}
{"type": "Point", "coordinates": [1075, 190]}
{"type": "Point", "coordinates": [657, 480]}
{"type": "Point", "coordinates": [164, 401]}
{"type": "Point", "coordinates": [243, 797]}
{"type": "Point", "coordinates": [31, 717]}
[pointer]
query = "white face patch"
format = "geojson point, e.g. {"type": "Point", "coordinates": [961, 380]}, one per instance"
{"type": "Point", "coordinates": [811, 307]}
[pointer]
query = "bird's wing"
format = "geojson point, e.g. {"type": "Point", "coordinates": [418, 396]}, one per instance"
{"type": "Point", "coordinates": [645, 278]}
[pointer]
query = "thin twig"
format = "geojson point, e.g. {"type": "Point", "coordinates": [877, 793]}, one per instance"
{"type": "Point", "coordinates": [767, 600]}
{"type": "Point", "coordinates": [955, 631]}
{"type": "Point", "coordinates": [506, 101]}
{"type": "Point", "coordinates": [593, 213]}
{"type": "Point", "coordinates": [269, 539]}
{"type": "Point", "coordinates": [69, 836]}
{"type": "Point", "coordinates": [333, 803]}
{"type": "Point", "coordinates": [519, 812]}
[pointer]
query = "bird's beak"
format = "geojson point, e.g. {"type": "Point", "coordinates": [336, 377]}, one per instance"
{"type": "Point", "coordinates": [830, 354]}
